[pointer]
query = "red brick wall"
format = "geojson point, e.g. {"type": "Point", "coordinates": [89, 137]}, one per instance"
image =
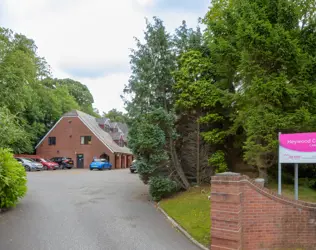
{"type": "Point", "coordinates": [118, 163]}
{"type": "Point", "coordinates": [247, 216]}
{"type": "Point", "coordinates": [68, 132]}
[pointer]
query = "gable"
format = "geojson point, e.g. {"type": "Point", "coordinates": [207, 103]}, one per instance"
{"type": "Point", "coordinates": [72, 127]}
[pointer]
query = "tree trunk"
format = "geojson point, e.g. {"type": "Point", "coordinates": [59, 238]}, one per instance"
{"type": "Point", "coordinates": [176, 164]}
{"type": "Point", "coordinates": [263, 173]}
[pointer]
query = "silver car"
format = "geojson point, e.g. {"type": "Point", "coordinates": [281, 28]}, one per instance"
{"type": "Point", "coordinates": [29, 164]}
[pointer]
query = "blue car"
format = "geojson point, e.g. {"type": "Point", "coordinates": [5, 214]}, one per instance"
{"type": "Point", "coordinates": [100, 164]}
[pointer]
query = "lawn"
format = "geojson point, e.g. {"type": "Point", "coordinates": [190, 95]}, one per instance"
{"type": "Point", "coordinates": [304, 193]}
{"type": "Point", "coordinates": [191, 209]}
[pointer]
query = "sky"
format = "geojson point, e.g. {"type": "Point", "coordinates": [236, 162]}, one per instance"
{"type": "Point", "coordinates": [90, 40]}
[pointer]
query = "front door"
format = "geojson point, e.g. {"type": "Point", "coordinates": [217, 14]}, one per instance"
{"type": "Point", "coordinates": [80, 161]}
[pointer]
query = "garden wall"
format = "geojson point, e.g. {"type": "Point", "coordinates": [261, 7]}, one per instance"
{"type": "Point", "coordinates": [247, 216]}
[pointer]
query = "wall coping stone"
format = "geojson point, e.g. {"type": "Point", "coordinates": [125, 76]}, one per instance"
{"type": "Point", "coordinates": [228, 174]}
{"type": "Point", "coordinates": [231, 179]}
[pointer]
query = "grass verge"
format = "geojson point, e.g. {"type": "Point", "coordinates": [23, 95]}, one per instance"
{"type": "Point", "coordinates": [304, 193]}
{"type": "Point", "coordinates": [191, 209]}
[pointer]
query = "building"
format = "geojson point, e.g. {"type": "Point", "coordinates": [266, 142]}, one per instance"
{"type": "Point", "coordinates": [83, 137]}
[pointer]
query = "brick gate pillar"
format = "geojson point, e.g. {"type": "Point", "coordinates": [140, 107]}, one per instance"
{"type": "Point", "coordinates": [226, 231]}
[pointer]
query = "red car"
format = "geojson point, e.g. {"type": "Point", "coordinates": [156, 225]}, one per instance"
{"type": "Point", "coordinates": [47, 164]}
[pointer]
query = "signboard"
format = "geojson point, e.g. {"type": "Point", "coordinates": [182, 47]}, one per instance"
{"type": "Point", "coordinates": [297, 148]}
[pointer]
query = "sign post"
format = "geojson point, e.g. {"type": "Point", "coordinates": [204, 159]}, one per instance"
{"type": "Point", "coordinates": [279, 173]}
{"type": "Point", "coordinates": [296, 181]}
{"type": "Point", "coordinates": [296, 148]}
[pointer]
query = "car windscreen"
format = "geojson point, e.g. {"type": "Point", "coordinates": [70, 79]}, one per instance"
{"type": "Point", "coordinates": [100, 160]}
{"type": "Point", "coordinates": [28, 159]}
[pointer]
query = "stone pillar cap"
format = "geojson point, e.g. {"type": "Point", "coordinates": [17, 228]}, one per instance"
{"type": "Point", "coordinates": [259, 180]}
{"type": "Point", "coordinates": [228, 174]}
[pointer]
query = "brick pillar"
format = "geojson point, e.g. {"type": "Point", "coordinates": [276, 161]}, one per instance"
{"type": "Point", "coordinates": [226, 212]}
{"type": "Point", "coordinates": [122, 161]}
{"type": "Point", "coordinates": [126, 161]}
{"type": "Point", "coordinates": [118, 161]}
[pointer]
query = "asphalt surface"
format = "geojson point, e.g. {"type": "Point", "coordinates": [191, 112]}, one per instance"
{"type": "Point", "coordinates": [83, 210]}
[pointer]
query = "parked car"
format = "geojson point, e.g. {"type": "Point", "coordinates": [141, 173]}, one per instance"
{"type": "Point", "coordinates": [63, 162]}
{"type": "Point", "coordinates": [30, 165]}
{"type": "Point", "coordinates": [47, 164]}
{"type": "Point", "coordinates": [132, 167]}
{"type": "Point", "coordinates": [100, 164]}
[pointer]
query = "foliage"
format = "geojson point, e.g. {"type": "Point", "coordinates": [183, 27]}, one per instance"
{"type": "Point", "coordinates": [151, 109]}
{"type": "Point", "coordinates": [225, 93]}
{"type": "Point", "coordinates": [218, 160]}
{"type": "Point", "coordinates": [115, 116]}
{"type": "Point", "coordinates": [12, 179]}
{"type": "Point", "coordinates": [31, 101]}
{"type": "Point", "coordinates": [307, 182]}
{"type": "Point", "coordinates": [161, 187]}
{"type": "Point", "coordinates": [12, 133]}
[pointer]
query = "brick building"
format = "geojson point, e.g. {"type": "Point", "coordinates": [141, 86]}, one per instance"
{"type": "Point", "coordinates": [83, 137]}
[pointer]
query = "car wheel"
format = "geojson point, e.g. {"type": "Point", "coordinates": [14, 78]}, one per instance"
{"type": "Point", "coordinates": [91, 169]}
{"type": "Point", "coordinates": [29, 168]}
{"type": "Point", "coordinates": [132, 171]}
{"type": "Point", "coordinates": [45, 168]}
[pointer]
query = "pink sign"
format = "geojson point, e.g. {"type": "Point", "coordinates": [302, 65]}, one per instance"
{"type": "Point", "coordinates": [303, 142]}
{"type": "Point", "coordinates": [297, 148]}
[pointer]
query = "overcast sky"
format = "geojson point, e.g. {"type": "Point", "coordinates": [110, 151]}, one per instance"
{"type": "Point", "coordinates": [89, 40]}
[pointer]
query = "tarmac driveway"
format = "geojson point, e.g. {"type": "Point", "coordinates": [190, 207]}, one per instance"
{"type": "Point", "coordinates": [84, 210]}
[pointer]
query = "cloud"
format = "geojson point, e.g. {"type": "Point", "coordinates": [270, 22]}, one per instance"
{"type": "Point", "coordinates": [90, 40]}
{"type": "Point", "coordinates": [94, 70]}
{"type": "Point", "coordinates": [107, 90]}
{"type": "Point", "coordinates": [181, 5]}
{"type": "Point", "coordinates": [146, 3]}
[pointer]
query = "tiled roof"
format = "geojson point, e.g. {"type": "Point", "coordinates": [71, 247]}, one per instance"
{"type": "Point", "coordinates": [92, 123]}
{"type": "Point", "coordinates": [116, 135]}
{"type": "Point", "coordinates": [123, 127]}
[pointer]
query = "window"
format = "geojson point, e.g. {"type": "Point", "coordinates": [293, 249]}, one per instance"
{"type": "Point", "coordinates": [85, 140]}
{"type": "Point", "coordinates": [51, 140]}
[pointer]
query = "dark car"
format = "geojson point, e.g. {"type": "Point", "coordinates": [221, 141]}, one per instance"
{"type": "Point", "coordinates": [63, 162]}
{"type": "Point", "coordinates": [29, 164]}
{"type": "Point", "coordinates": [132, 167]}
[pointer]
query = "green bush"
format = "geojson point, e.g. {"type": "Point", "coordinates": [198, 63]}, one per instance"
{"type": "Point", "coordinates": [161, 187]}
{"type": "Point", "coordinates": [307, 182]}
{"type": "Point", "coordinates": [144, 170]}
{"type": "Point", "coordinates": [12, 179]}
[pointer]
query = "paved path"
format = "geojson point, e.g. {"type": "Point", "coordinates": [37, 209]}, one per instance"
{"type": "Point", "coordinates": [83, 210]}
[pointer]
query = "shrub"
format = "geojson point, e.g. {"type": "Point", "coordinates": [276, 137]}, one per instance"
{"type": "Point", "coordinates": [161, 187]}
{"type": "Point", "coordinates": [144, 170]}
{"type": "Point", "coordinates": [307, 182]}
{"type": "Point", "coordinates": [12, 179]}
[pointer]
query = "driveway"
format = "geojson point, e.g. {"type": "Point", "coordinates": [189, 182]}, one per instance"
{"type": "Point", "coordinates": [83, 210]}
